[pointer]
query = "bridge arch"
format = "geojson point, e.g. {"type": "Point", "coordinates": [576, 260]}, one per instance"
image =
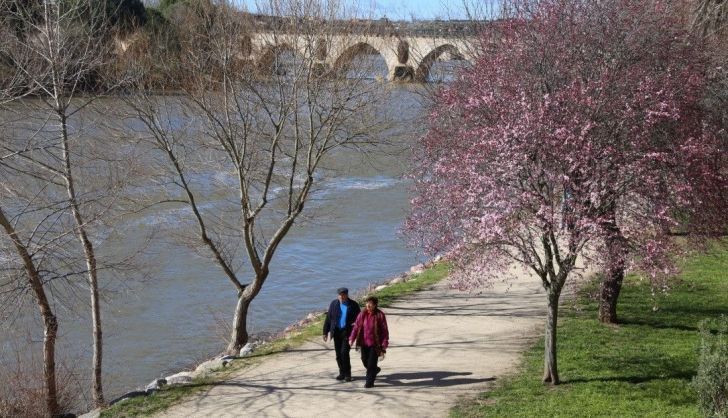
{"type": "Point", "coordinates": [343, 63]}
{"type": "Point", "coordinates": [246, 46]}
{"type": "Point", "coordinates": [273, 59]}
{"type": "Point", "coordinates": [423, 70]}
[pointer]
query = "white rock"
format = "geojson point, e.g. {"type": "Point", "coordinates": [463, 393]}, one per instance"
{"type": "Point", "coordinates": [437, 258]}
{"type": "Point", "coordinates": [247, 349]}
{"type": "Point", "coordinates": [380, 287]}
{"type": "Point", "coordinates": [208, 366]}
{"type": "Point", "coordinates": [179, 378]}
{"type": "Point", "coordinates": [155, 385]}
{"type": "Point", "coordinates": [417, 269]}
{"type": "Point", "coordinates": [397, 280]}
{"type": "Point", "coordinates": [95, 413]}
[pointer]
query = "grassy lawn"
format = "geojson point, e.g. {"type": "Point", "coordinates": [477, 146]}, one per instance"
{"type": "Point", "coordinates": [163, 399]}
{"type": "Point", "coordinates": [640, 368]}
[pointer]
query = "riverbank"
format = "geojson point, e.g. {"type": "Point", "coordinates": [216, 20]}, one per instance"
{"type": "Point", "coordinates": [214, 371]}
{"type": "Point", "coordinates": [443, 344]}
{"type": "Point", "coordinates": [640, 368]}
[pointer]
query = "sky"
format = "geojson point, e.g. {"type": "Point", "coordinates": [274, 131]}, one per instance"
{"type": "Point", "coordinates": [420, 9]}
{"type": "Point", "coordinates": [407, 9]}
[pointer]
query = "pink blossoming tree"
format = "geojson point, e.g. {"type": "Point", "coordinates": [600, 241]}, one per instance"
{"type": "Point", "coordinates": [578, 132]}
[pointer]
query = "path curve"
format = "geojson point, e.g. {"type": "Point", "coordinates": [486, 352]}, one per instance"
{"type": "Point", "coordinates": [443, 344]}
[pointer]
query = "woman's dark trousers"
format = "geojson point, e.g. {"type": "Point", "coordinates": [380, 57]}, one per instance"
{"type": "Point", "coordinates": [342, 347]}
{"type": "Point", "coordinates": [370, 358]}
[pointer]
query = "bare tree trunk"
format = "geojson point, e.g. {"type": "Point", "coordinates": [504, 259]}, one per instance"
{"type": "Point", "coordinates": [98, 391]}
{"type": "Point", "coordinates": [550, 370]}
{"type": "Point", "coordinates": [90, 256]}
{"type": "Point", "coordinates": [50, 323]}
{"type": "Point", "coordinates": [50, 331]}
{"type": "Point", "coordinates": [611, 284]}
{"type": "Point", "coordinates": [239, 336]}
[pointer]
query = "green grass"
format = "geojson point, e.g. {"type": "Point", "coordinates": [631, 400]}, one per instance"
{"type": "Point", "coordinates": [163, 399]}
{"type": "Point", "coordinates": [640, 368]}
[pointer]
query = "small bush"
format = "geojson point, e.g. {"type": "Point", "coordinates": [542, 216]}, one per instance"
{"type": "Point", "coordinates": [22, 390]}
{"type": "Point", "coordinates": [711, 382]}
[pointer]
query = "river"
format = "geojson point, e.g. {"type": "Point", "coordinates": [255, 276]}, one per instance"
{"type": "Point", "coordinates": [177, 315]}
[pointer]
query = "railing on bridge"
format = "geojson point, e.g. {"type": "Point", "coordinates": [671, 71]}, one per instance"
{"type": "Point", "coordinates": [380, 27]}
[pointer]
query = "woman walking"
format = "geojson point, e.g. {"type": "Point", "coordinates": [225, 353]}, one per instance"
{"type": "Point", "coordinates": [371, 336]}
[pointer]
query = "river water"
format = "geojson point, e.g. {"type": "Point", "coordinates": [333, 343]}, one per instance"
{"type": "Point", "coordinates": [178, 315]}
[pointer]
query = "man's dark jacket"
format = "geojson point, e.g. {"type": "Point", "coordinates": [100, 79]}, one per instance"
{"type": "Point", "coordinates": [334, 314]}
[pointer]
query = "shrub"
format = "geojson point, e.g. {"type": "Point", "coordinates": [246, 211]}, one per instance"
{"type": "Point", "coordinates": [22, 392]}
{"type": "Point", "coordinates": [711, 382]}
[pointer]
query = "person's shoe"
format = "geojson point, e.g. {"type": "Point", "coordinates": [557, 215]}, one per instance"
{"type": "Point", "coordinates": [368, 385]}
{"type": "Point", "coordinates": [340, 377]}
{"type": "Point", "coordinates": [348, 378]}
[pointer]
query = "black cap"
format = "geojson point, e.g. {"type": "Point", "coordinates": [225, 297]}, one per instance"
{"type": "Point", "coordinates": [342, 290]}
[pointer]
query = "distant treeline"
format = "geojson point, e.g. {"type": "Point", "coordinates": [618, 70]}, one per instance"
{"type": "Point", "coordinates": [137, 39]}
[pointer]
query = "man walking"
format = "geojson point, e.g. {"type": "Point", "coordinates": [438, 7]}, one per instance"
{"type": "Point", "coordinates": [339, 320]}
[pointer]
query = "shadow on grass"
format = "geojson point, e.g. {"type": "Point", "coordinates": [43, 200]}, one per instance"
{"type": "Point", "coordinates": [681, 318]}
{"type": "Point", "coordinates": [683, 375]}
{"type": "Point", "coordinates": [657, 324]}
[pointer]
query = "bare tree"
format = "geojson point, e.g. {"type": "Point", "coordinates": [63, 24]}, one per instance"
{"type": "Point", "coordinates": [710, 17]}
{"type": "Point", "coordinates": [8, 93]}
{"type": "Point", "coordinates": [264, 125]}
{"type": "Point", "coordinates": [59, 53]}
{"type": "Point", "coordinates": [50, 323]}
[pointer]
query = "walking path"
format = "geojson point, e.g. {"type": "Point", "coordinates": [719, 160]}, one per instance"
{"type": "Point", "coordinates": [443, 344]}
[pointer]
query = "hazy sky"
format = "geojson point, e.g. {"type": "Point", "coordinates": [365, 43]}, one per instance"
{"type": "Point", "coordinates": [420, 9]}
{"type": "Point", "coordinates": [406, 9]}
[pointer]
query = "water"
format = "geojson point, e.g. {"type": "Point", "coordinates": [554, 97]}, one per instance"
{"type": "Point", "coordinates": [178, 316]}
{"type": "Point", "coordinates": [175, 318]}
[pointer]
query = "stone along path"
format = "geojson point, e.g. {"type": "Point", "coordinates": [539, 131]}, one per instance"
{"type": "Point", "coordinates": [443, 344]}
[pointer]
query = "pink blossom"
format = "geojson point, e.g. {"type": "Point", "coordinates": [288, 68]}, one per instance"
{"type": "Point", "coordinates": [596, 121]}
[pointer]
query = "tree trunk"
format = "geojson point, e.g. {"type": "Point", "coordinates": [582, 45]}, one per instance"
{"type": "Point", "coordinates": [550, 371]}
{"type": "Point", "coordinates": [90, 255]}
{"type": "Point", "coordinates": [98, 341]}
{"type": "Point", "coordinates": [50, 322]}
{"type": "Point", "coordinates": [611, 284]}
{"type": "Point", "coordinates": [50, 331]}
{"type": "Point", "coordinates": [93, 284]}
{"type": "Point", "coordinates": [239, 336]}
{"type": "Point", "coordinates": [609, 293]}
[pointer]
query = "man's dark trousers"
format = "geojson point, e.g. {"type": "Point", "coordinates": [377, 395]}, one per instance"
{"type": "Point", "coordinates": [342, 347]}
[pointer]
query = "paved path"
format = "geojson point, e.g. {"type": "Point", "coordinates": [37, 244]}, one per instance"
{"type": "Point", "coordinates": [443, 344]}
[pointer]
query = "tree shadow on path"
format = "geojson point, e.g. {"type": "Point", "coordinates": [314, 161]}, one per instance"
{"type": "Point", "coordinates": [430, 378]}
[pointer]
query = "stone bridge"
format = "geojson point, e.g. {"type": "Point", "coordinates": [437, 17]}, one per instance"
{"type": "Point", "coordinates": [407, 59]}
{"type": "Point", "coordinates": [409, 52]}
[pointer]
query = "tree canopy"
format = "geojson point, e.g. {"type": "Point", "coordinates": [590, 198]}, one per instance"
{"type": "Point", "coordinates": [575, 119]}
